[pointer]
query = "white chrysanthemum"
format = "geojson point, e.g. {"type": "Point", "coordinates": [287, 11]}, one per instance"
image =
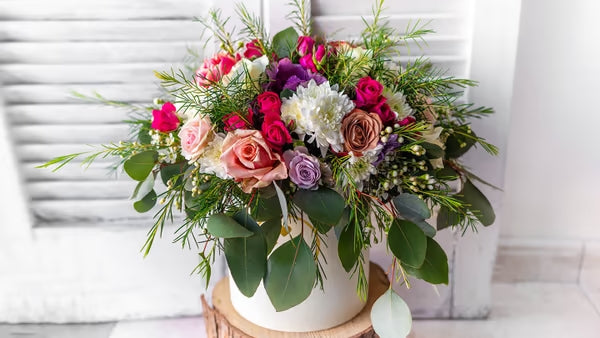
{"type": "Point", "coordinates": [317, 111]}
{"type": "Point", "coordinates": [360, 168]}
{"type": "Point", "coordinates": [210, 162]}
{"type": "Point", "coordinates": [398, 104]}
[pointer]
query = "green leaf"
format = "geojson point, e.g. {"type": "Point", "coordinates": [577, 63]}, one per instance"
{"type": "Point", "coordinates": [342, 223]}
{"type": "Point", "coordinates": [323, 205]}
{"type": "Point", "coordinates": [246, 256]}
{"type": "Point", "coordinates": [173, 170]}
{"type": "Point", "coordinates": [144, 135]}
{"type": "Point", "coordinates": [411, 207]}
{"type": "Point", "coordinates": [435, 267]}
{"type": "Point", "coordinates": [146, 203]}
{"type": "Point", "coordinates": [140, 165]}
{"type": "Point", "coordinates": [479, 204]}
{"type": "Point", "coordinates": [286, 93]}
{"type": "Point", "coordinates": [447, 173]}
{"type": "Point", "coordinates": [223, 226]}
{"type": "Point", "coordinates": [432, 150]}
{"type": "Point", "coordinates": [272, 230]}
{"type": "Point", "coordinates": [320, 226]}
{"type": "Point", "coordinates": [407, 242]}
{"type": "Point", "coordinates": [143, 188]}
{"type": "Point", "coordinates": [391, 316]}
{"type": "Point", "coordinates": [447, 218]}
{"type": "Point", "coordinates": [291, 274]}
{"type": "Point", "coordinates": [284, 42]}
{"type": "Point", "coordinates": [266, 208]}
{"type": "Point", "coordinates": [457, 145]}
{"type": "Point", "coordinates": [347, 251]}
{"type": "Point", "coordinates": [427, 228]}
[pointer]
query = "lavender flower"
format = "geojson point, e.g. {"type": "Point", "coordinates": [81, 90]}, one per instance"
{"type": "Point", "coordinates": [388, 147]}
{"type": "Point", "coordinates": [287, 75]}
{"type": "Point", "coordinates": [304, 169]}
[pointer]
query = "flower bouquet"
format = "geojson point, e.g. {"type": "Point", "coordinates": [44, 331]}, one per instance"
{"type": "Point", "coordinates": [274, 145]}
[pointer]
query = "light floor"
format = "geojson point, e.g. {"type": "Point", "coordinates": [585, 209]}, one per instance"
{"type": "Point", "coordinates": [522, 310]}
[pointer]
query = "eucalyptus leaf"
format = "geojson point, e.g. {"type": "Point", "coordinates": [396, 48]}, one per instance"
{"type": "Point", "coordinates": [435, 267]}
{"type": "Point", "coordinates": [391, 316]}
{"type": "Point", "coordinates": [284, 42]}
{"type": "Point", "coordinates": [246, 256]}
{"type": "Point", "coordinates": [407, 242]}
{"type": "Point", "coordinates": [271, 229]}
{"type": "Point", "coordinates": [432, 150]}
{"type": "Point", "coordinates": [291, 274]}
{"type": "Point", "coordinates": [323, 205]}
{"type": "Point", "coordinates": [342, 223]}
{"type": "Point", "coordinates": [411, 207]}
{"type": "Point", "coordinates": [427, 228]}
{"type": "Point", "coordinates": [457, 145]}
{"type": "Point", "coordinates": [478, 203]}
{"type": "Point", "coordinates": [320, 226]}
{"type": "Point", "coordinates": [447, 218]}
{"type": "Point", "coordinates": [171, 171]}
{"type": "Point", "coordinates": [282, 204]}
{"type": "Point", "coordinates": [347, 251]}
{"type": "Point", "coordinates": [223, 226]}
{"type": "Point", "coordinates": [266, 208]}
{"type": "Point", "coordinates": [143, 188]}
{"type": "Point", "coordinates": [146, 203]}
{"type": "Point", "coordinates": [286, 93]}
{"type": "Point", "coordinates": [140, 165]}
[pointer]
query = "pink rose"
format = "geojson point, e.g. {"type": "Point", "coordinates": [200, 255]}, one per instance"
{"type": "Point", "coordinates": [213, 69]}
{"type": "Point", "coordinates": [368, 92]}
{"type": "Point", "coordinates": [308, 60]}
{"type": "Point", "coordinates": [276, 134]}
{"type": "Point", "coordinates": [195, 135]}
{"type": "Point", "coordinates": [320, 53]}
{"type": "Point", "coordinates": [247, 158]}
{"type": "Point", "coordinates": [165, 119]}
{"type": "Point", "coordinates": [234, 121]}
{"type": "Point", "coordinates": [253, 49]}
{"type": "Point", "coordinates": [305, 45]}
{"type": "Point", "coordinates": [269, 103]}
{"type": "Point", "coordinates": [388, 117]}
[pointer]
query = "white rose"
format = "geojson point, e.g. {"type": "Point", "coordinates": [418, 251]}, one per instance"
{"type": "Point", "coordinates": [246, 70]}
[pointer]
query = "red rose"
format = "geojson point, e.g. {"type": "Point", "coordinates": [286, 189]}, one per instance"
{"type": "Point", "coordinates": [305, 45]}
{"type": "Point", "coordinates": [233, 121]}
{"type": "Point", "coordinates": [269, 103]}
{"type": "Point", "coordinates": [407, 121]}
{"type": "Point", "coordinates": [388, 117]}
{"type": "Point", "coordinates": [253, 50]}
{"type": "Point", "coordinates": [368, 92]}
{"type": "Point", "coordinates": [165, 119]}
{"type": "Point", "coordinates": [276, 134]}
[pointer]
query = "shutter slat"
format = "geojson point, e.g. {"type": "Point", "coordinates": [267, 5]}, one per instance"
{"type": "Point", "coordinates": [65, 211]}
{"type": "Point", "coordinates": [34, 114]}
{"type": "Point", "coordinates": [21, 94]}
{"type": "Point", "coordinates": [150, 30]}
{"type": "Point", "coordinates": [80, 190]}
{"type": "Point", "coordinates": [97, 171]}
{"type": "Point", "coordinates": [51, 134]}
{"type": "Point", "coordinates": [92, 52]}
{"type": "Point", "coordinates": [46, 152]}
{"type": "Point", "coordinates": [407, 7]}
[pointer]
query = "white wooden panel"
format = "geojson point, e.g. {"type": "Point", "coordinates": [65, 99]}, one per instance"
{"type": "Point", "coordinates": [343, 7]}
{"type": "Point", "coordinates": [143, 92]}
{"type": "Point", "coordinates": [33, 114]}
{"type": "Point", "coordinates": [92, 52]}
{"type": "Point", "coordinates": [65, 134]}
{"type": "Point", "coordinates": [80, 190]}
{"type": "Point", "coordinates": [45, 152]}
{"type": "Point", "coordinates": [82, 73]}
{"type": "Point", "coordinates": [101, 9]}
{"type": "Point", "coordinates": [97, 171]}
{"type": "Point", "coordinates": [68, 211]}
{"type": "Point", "coordinates": [143, 30]}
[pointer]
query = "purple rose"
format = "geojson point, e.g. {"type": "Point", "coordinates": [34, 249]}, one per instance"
{"type": "Point", "coordinates": [287, 75]}
{"type": "Point", "coordinates": [304, 169]}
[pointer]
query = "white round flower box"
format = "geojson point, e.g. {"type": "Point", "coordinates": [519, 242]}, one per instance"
{"type": "Point", "coordinates": [336, 303]}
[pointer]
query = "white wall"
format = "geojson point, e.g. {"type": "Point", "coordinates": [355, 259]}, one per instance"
{"type": "Point", "coordinates": [552, 189]}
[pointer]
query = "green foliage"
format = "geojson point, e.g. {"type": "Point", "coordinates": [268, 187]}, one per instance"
{"type": "Point", "coordinates": [291, 274]}
{"type": "Point", "coordinates": [223, 226]}
{"type": "Point", "coordinates": [140, 165]}
{"type": "Point", "coordinates": [478, 203]}
{"type": "Point", "coordinates": [391, 316]}
{"type": "Point", "coordinates": [411, 207]}
{"type": "Point", "coordinates": [407, 242]}
{"type": "Point", "coordinates": [349, 247]}
{"type": "Point", "coordinates": [447, 218]}
{"type": "Point", "coordinates": [271, 229]}
{"type": "Point", "coordinates": [284, 42]}
{"type": "Point", "coordinates": [246, 256]}
{"type": "Point", "coordinates": [300, 16]}
{"type": "Point", "coordinates": [173, 172]}
{"type": "Point", "coordinates": [435, 267]}
{"type": "Point", "coordinates": [147, 203]}
{"type": "Point", "coordinates": [323, 205]}
{"type": "Point", "coordinates": [143, 188]}
{"type": "Point", "coordinates": [265, 209]}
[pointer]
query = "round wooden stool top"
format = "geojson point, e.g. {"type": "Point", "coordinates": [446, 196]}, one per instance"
{"type": "Point", "coordinates": [223, 321]}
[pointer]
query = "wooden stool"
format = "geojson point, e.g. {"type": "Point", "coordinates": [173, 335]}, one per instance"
{"type": "Point", "coordinates": [223, 321]}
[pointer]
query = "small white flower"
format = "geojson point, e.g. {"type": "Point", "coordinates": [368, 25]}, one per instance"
{"type": "Point", "coordinates": [246, 70]}
{"type": "Point", "coordinates": [210, 161]}
{"type": "Point", "coordinates": [361, 168]}
{"type": "Point", "coordinates": [317, 111]}
{"type": "Point", "coordinates": [398, 104]}
{"type": "Point", "coordinates": [432, 135]}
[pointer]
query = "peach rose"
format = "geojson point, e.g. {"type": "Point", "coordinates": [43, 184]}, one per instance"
{"type": "Point", "coordinates": [195, 135]}
{"type": "Point", "coordinates": [247, 158]}
{"type": "Point", "coordinates": [361, 131]}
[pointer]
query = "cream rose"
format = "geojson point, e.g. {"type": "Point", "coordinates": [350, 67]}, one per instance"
{"type": "Point", "coordinates": [195, 135]}
{"type": "Point", "coordinates": [249, 160]}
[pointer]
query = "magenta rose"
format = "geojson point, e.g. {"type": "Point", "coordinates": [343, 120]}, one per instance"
{"type": "Point", "coordinates": [407, 121]}
{"type": "Point", "coordinates": [253, 50]}
{"type": "Point", "coordinates": [368, 92]}
{"type": "Point", "coordinates": [269, 103]}
{"type": "Point", "coordinates": [305, 45]}
{"type": "Point", "coordinates": [250, 161]}
{"type": "Point", "coordinates": [304, 169]}
{"type": "Point", "coordinates": [308, 60]}
{"type": "Point", "coordinates": [213, 69]}
{"type": "Point", "coordinates": [165, 119]}
{"type": "Point", "coordinates": [234, 121]}
{"type": "Point", "coordinates": [388, 117]}
{"type": "Point", "coordinates": [276, 134]}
